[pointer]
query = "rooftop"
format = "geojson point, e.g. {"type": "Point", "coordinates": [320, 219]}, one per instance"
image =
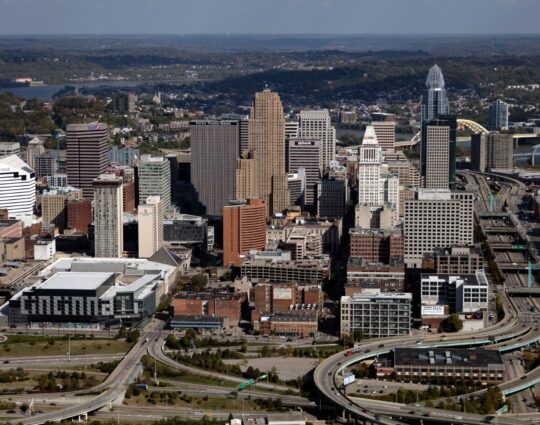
{"type": "Point", "coordinates": [378, 296]}
{"type": "Point", "coordinates": [79, 281]}
{"type": "Point", "coordinates": [445, 356]}
{"type": "Point", "coordinates": [13, 161]}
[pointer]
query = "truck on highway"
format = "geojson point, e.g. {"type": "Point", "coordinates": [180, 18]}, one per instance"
{"type": "Point", "coordinates": [348, 353]}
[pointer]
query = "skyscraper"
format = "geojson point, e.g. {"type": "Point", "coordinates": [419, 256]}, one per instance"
{"type": "Point", "coordinates": [378, 195]}
{"type": "Point", "coordinates": [35, 147]}
{"type": "Point", "coordinates": [306, 154]}
{"type": "Point", "coordinates": [438, 153]}
{"type": "Point", "coordinates": [369, 170]}
{"type": "Point", "coordinates": [317, 125]}
{"type": "Point", "coordinates": [108, 216]}
{"type": "Point", "coordinates": [385, 129]}
{"type": "Point", "coordinates": [244, 229]}
{"type": "Point", "coordinates": [492, 151]}
{"type": "Point", "coordinates": [435, 101]}
{"type": "Point", "coordinates": [498, 115]}
{"type": "Point", "coordinates": [214, 151]}
{"type": "Point", "coordinates": [437, 219]}
{"type": "Point", "coordinates": [17, 188]}
{"type": "Point", "coordinates": [155, 179]}
{"type": "Point", "coordinates": [150, 225]}
{"type": "Point", "coordinates": [86, 150]}
{"type": "Point", "coordinates": [267, 141]}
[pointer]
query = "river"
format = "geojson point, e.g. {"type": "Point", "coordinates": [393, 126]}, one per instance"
{"type": "Point", "coordinates": [47, 92]}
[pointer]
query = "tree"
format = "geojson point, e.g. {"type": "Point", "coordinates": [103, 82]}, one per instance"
{"type": "Point", "coordinates": [358, 335]}
{"type": "Point", "coordinates": [198, 282]}
{"type": "Point", "coordinates": [451, 324]}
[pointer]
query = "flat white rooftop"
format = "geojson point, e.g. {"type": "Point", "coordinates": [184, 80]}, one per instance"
{"type": "Point", "coordinates": [73, 280]}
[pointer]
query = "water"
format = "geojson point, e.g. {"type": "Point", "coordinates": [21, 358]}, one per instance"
{"type": "Point", "coordinates": [360, 133]}
{"type": "Point", "coordinates": [47, 92]}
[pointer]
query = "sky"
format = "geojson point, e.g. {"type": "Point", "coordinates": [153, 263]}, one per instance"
{"type": "Point", "coordinates": [269, 16]}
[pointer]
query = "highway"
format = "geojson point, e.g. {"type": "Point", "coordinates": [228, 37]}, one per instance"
{"type": "Point", "coordinates": [155, 350]}
{"type": "Point", "coordinates": [515, 327]}
{"type": "Point", "coordinates": [113, 387]}
{"type": "Point", "coordinates": [328, 380]}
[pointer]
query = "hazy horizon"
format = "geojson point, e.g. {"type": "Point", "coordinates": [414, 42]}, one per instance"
{"type": "Point", "coordinates": [269, 17]}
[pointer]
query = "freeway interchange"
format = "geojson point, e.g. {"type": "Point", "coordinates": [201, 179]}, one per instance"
{"type": "Point", "coordinates": [516, 330]}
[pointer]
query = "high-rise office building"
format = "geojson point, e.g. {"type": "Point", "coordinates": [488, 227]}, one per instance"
{"type": "Point", "coordinates": [492, 151]}
{"type": "Point", "coordinates": [246, 176]}
{"type": "Point", "coordinates": [498, 115]}
{"type": "Point", "coordinates": [155, 179]}
{"type": "Point", "coordinates": [331, 198]}
{"type": "Point", "coordinates": [17, 188]}
{"type": "Point", "coordinates": [297, 187]}
{"type": "Point", "coordinates": [436, 219]}
{"type": "Point", "coordinates": [86, 154]}
{"type": "Point", "coordinates": [214, 151]}
{"type": "Point", "coordinates": [306, 154]}
{"type": "Point", "coordinates": [123, 156]}
{"type": "Point", "coordinates": [108, 216]}
{"type": "Point", "coordinates": [369, 170]}
{"type": "Point", "coordinates": [291, 129]}
{"type": "Point", "coordinates": [317, 125]}
{"type": "Point", "coordinates": [385, 129]}
{"type": "Point", "coordinates": [267, 142]}
{"type": "Point", "coordinates": [244, 229]}
{"type": "Point", "coordinates": [435, 100]}
{"type": "Point", "coordinates": [378, 194]}
{"type": "Point", "coordinates": [124, 102]}
{"type": "Point", "coordinates": [35, 147]}
{"type": "Point", "coordinates": [438, 153]}
{"type": "Point", "coordinates": [45, 164]}
{"type": "Point", "coordinates": [150, 225]}
{"type": "Point", "coordinates": [10, 148]}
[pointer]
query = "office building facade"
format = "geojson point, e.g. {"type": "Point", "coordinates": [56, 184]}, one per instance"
{"type": "Point", "coordinates": [492, 151]}
{"type": "Point", "coordinates": [214, 152]}
{"type": "Point", "coordinates": [17, 188]}
{"type": "Point", "coordinates": [155, 179]}
{"type": "Point", "coordinates": [10, 148]}
{"type": "Point", "coordinates": [267, 142]}
{"type": "Point", "coordinates": [317, 125]}
{"type": "Point", "coordinates": [377, 315]}
{"type": "Point", "coordinates": [150, 224]}
{"type": "Point", "coordinates": [498, 115]}
{"type": "Point", "coordinates": [244, 229]}
{"type": "Point", "coordinates": [435, 219]}
{"type": "Point", "coordinates": [86, 155]}
{"type": "Point", "coordinates": [306, 154]}
{"type": "Point", "coordinates": [385, 130]}
{"type": "Point", "coordinates": [331, 198]}
{"type": "Point", "coordinates": [108, 216]}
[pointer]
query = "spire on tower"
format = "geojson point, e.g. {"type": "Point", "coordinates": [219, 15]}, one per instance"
{"type": "Point", "coordinates": [370, 138]}
{"type": "Point", "coordinates": [435, 79]}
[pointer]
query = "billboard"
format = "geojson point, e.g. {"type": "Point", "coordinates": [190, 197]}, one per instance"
{"type": "Point", "coordinates": [432, 310]}
{"type": "Point", "coordinates": [349, 379]}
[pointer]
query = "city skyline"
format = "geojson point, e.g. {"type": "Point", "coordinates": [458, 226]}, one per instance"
{"type": "Point", "coordinates": [268, 17]}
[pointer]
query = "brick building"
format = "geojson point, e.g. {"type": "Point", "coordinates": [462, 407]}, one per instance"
{"type": "Point", "coordinates": [279, 297]}
{"type": "Point", "coordinates": [214, 304]}
{"type": "Point", "coordinates": [79, 215]}
{"type": "Point", "coordinates": [376, 245]}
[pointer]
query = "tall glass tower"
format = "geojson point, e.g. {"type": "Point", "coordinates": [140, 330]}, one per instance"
{"type": "Point", "coordinates": [435, 101]}
{"type": "Point", "coordinates": [436, 115]}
